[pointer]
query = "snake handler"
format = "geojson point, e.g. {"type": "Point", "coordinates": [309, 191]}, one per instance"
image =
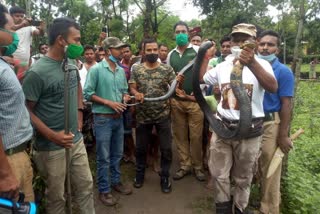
{"type": "Point", "coordinates": [235, 159]}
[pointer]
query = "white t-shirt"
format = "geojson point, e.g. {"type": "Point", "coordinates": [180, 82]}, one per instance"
{"type": "Point", "coordinates": [83, 75]}
{"type": "Point", "coordinates": [228, 106]}
{"type": "Point", "coordinates": [25, 40]}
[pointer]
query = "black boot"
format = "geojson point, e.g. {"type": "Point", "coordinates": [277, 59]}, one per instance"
{"type": "Point", "coordinates": [224, 208]}
{"type": "Point", "coordinates": [165, 184]}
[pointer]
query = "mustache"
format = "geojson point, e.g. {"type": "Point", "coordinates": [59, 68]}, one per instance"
{"type": "Point", "coordinates": [265, 53]}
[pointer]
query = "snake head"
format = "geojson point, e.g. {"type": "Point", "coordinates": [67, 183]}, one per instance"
{"type": "Point", "coordinates": [248, 43]}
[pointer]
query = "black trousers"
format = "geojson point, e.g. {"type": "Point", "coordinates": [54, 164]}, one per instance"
{"type": "Point", "coordinates": [144, 136]}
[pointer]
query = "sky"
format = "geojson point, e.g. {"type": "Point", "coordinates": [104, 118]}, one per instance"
{"type": "Point", "coordinates": [186, 12]}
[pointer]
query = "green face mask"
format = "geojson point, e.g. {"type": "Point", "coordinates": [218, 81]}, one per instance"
{"type": "Point", "coordinates": [182, 39]}
{"type": "Point", "coordinates": [10, 49]}
{"type": "Point", "coordinates": [74, 51]}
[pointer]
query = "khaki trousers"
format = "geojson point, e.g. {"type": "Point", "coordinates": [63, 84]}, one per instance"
{"type": "Point", "coordinates": [21, 166]}
{"type": "Point", "coordinates": [52, 165]}
{"type": "Point", "coordinates": [270, 188]}
{"type": "Point", "coordinates": [187, 126]}
{"type": "Point", "coordinates": [233, 160]}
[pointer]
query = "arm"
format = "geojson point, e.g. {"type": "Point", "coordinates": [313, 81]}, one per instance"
{"type": "Point", "coordinates": [9, 185]}
{"type": "Point", "coordinates": [40, 29]}
{"type": "Point", "coordinates": [24, 23]}
{"type": "Point", "coordinates": [60, 138]}
{"type": "Point", "coordinates": [284, 140]}
{"type": "Point", "coordinates": [134, 91]}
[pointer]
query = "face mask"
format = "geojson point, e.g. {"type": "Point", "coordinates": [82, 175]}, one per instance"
{"type": "Point", "coordinates": [182, 39]}
{"type": "Point", "coordinates": [74, 51]}
{"type": "Point", "coordinates": [236, 50]}
{"type": "Point", "coordinates": [152, 58]}
{"type": "Point", "coordinates": [10, 49]}
{"type": "Point", "coordinates": [269, 58]}
{"type": "Point", "coordinates": [113, 59]}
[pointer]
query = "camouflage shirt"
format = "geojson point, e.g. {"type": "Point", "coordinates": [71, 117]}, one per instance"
{"type": "Point", "coordinates": [152, 83]}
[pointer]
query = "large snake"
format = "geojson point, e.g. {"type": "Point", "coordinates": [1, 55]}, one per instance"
{"type": "Point", "coordinates": [243, 128]}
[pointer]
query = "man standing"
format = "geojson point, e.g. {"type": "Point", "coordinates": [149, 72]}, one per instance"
{"type": "Point", "coordinates": [15, 128]}
{"type": "Point", "coordinates": [107, 88]}
{"type": "Point", "coordinates": [89, 58]}
{"type": "Point", "coordinates": [126, 60]}
{"type": "Point", "coordinates": [151, 79]}
{"type": "Point", "coordinates": [187, 118]}
{"type": "Point", "coordinates": [43, 50]}
{"type": "Point", "coordinates": [277, 107]}
{"type": "Point", "coordinates": [234, 159]}
{"type": "Point", "coordinates": [196, 39]}
{"type": "Point", "coordinates": [163, 53]}
{"type": "Point", "coordinates": [44, 90]}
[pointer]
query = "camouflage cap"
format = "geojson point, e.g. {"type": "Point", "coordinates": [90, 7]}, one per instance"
{"type": "Point", "coordinates": [248, 29]}
{"type": "Point", "coordinates": [112, 42]}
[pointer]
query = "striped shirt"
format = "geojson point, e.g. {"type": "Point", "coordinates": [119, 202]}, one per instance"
{"type": "Point", "coordinates": [15, 126]}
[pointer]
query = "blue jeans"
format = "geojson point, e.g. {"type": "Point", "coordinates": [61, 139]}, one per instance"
{"type": "Point", "coordinates": [109, 145]}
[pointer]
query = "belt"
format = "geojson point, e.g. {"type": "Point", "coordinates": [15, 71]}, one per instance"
{"type": "Point", "coordinates": [269, 116]}
{"type": "Point", "coordinates": [22, 147]}
{"type": "Point", "coordinates": [113, 116]}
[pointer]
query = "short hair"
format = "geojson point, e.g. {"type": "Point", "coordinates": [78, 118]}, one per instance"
{"type": "Point", "coordinates": [163, 45]}
{"type": "Point", "coordinates": [88, 47]}
{"type": "Point", "coordinates": [148, 41]}
{"type": "Point", "coordinates": [40, 45]}
{"type": "Point", "coordinates": [226, 38]}
{"type": "Point", "coordinates": [127, 46]}
{"type": "Point", "coordinates": [181, 23]}
{"type": "Point", "coordinates": [3, 18]}
{"type": "Point", "coordinates": [270, 33]}
{"type": "Point", "coordinates": [101, 49]}
{"type": "Point", "coordinates": [16, 9]}
{"type": "Point", "coordinates": [60, 26]}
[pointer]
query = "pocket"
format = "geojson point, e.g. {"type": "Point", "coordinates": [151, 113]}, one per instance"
{"type": "Point", "coordinates": [100, 120]}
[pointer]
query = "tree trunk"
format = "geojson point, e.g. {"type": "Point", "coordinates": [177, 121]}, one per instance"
{"type": "Point", "coordinates": [147, 19]}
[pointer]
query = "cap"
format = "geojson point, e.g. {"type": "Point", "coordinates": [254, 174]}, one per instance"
{"type": "Point", "coordinates": [248, 29]}
{"type": "Point", "coordinates": [112, 42]}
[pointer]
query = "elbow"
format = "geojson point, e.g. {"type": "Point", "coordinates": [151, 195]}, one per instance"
{"type": "Point", "coordinates": [273, 87]}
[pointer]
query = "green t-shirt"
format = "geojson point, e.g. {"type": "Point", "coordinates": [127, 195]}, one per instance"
{"type": "Point", "coordinates": [44, 85]}
{"type": "Point", "coordinates": [152, 83]}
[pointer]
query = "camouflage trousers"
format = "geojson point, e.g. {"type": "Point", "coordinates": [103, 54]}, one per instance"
{"type": "Point", "coordinates": [233, 161]}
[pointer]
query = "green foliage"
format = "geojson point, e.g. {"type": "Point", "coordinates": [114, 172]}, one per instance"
{"type": "Point", "coordinates": [301, 186]}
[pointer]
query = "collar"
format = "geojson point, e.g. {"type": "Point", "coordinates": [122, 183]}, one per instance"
{"type": "Point", "coordinates": [189, 46]}
{"type": "Point", "coordinates": [275, 63]}
{"type": "Point", "coordinates": [105, 64]}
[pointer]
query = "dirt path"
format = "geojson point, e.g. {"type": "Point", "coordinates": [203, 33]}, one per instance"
{"type": "Point", "coordinates": [188, 196]}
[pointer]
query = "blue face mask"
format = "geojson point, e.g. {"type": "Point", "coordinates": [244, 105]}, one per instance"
{"type": "Point", "coordinates": [269, 58]}
{"type": "Point", "coordinates": [113, 59]}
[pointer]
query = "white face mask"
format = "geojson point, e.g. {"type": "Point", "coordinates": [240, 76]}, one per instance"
{"type": "Point", "coordinates": [236, 50]}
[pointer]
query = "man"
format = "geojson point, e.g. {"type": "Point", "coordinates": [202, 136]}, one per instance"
{"type": "Point", "coordinates": [187, 118]}
{"type": "Point", "coordinates": [107, 88]}
{"type": "Point", "coordinates": [196, 40]}
{"type": "Point", "coordinates": [100, 54]}
{"type": "Point", "coordinates": [89, 58]}
{"type": "Point", "coordinates": [25, 32]}
{"type": "Point", "coordinates": [150, 79]}
{"type": "Point", "coordinates": [225, 50]}
{"type": "Point", "coordinates": [15, 128]}
{"type": "Point", "coordinates": [44, 89]}
{"type": "Point", "coordinates": [163, 53]}
{"type": "Point", "coordinates": [43, 50]}
{"type": "Point", "coordinates": [277, 108]}
{"type": "Point", "coordinates": [126, 60]}
{"type": "Point", "coordinates": [234, 159]}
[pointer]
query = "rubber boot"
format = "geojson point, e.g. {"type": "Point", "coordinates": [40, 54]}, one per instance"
{"type": "Point", "coordinates": [224, 208]}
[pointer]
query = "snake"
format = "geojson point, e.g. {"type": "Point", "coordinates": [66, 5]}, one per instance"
{"type": "Point", "coordinates": [243, 127]}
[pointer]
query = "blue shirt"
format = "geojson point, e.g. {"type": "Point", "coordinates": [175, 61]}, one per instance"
{"type": "Point", "coordinates": [285, 79]}
{"type": "Point", "coordinates": [15, 125]}
{"type": "Point", "coordinates": [103, 82]}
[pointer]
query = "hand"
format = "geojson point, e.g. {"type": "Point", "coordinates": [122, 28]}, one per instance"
{"type": "Point", "coordinates": [26, 22]}
{"type": "Point", "coordinates": [139, 97]}
{"type": "Point", "coordinates": [102, 36]}
{"type": "Point", "coordinates": [246, 56]}
{"type": "Point", "coordinates": [285, 144]}
{"type": "Point", "coordinates": [9, 186]}
{"type": "Point", "coordinates": [42, 25]}
{"type": "Point", "coordinates": [64, 140]}
{"type": "Point", "coordinates": [118, 107]}
{"type": "Point", "coordinates": [181, 93]}
{"type": "Point", "coordinates": [180, 79]}
{"type": "Point", "coordinates": [126, 98]}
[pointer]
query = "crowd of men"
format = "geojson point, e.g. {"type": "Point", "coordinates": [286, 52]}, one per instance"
{"type": "Point", "coordinates": [107, 97]}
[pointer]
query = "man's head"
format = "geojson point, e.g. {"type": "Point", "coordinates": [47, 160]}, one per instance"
{"type": "Point", "coordinates": [114, 47]}
{"type": "Point", "coordinates": [268, 45]}
{"type": "Point", "coordinates": [7, 24]}
{"type": "Point", "coordinates": [64, 31]}
{"type": "Point", "coordinates": [163, 52]}
{"type": "Point", "coordinates": [225, 46]}
{"type": "Point", "coordinates": [43, 48]}
{"type": "Point", "coordinates": [88, 53]}
{"type": "Point", "coordinates": [126, 52]}
{"type": "Point", "coordinates": [151, 50]}
{"type": "Point", "coordinates": [196, 40]}
{"type": "Point", "coordinates": [181, 31]}
{"type": "Point", "coordinates": [100, 54]}
{"type": "Point", "coordinates": [18, 14]}
{"type": "Point", "coordinates": [242, 32]}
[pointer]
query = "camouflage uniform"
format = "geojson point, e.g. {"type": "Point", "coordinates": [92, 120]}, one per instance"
{"type": "Point", "coordinates": [153, 83]}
